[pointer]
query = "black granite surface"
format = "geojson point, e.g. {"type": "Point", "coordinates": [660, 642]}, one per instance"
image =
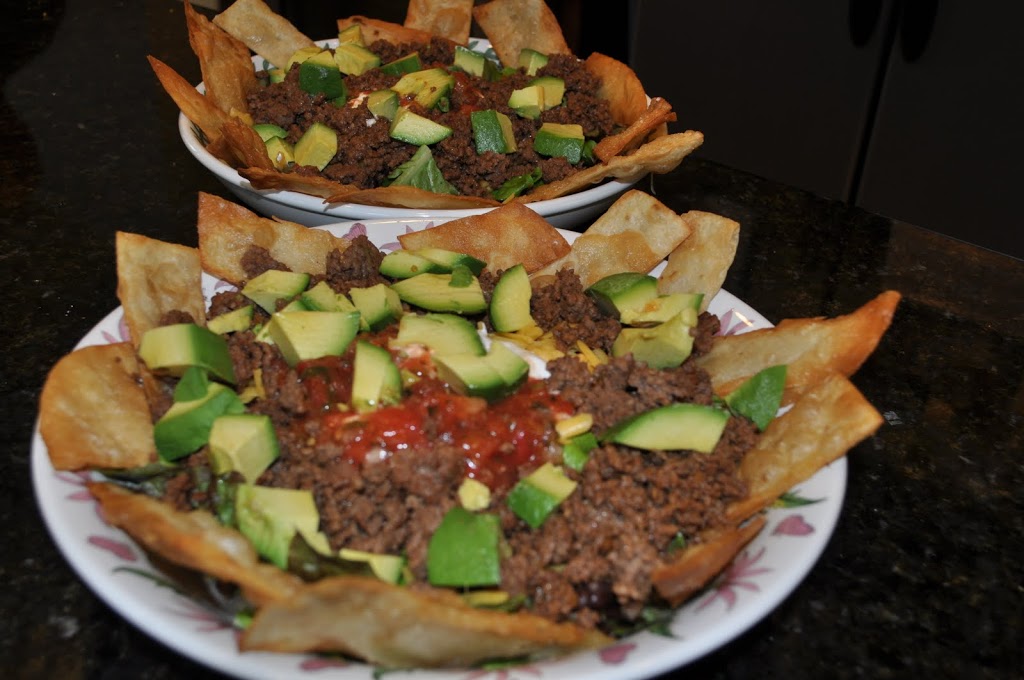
{"type": "Point", "coordinates": [923, 575]}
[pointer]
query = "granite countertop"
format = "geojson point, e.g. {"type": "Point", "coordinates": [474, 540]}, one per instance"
{"type": "Point", "coordinates": [923, 575]}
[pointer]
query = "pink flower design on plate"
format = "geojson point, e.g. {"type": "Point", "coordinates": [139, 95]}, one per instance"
{"type": "Point", "coordinates": [209, 621]}
{"type": "Point", "coordinates": [119, 549]}
{"type": "Point", "coordinates": [616, 654]}
{"type": "Point", "coordinates": [732, 322]}
{"type": "Point", "coordinates": [122, 334]}
{"type": "Point", "coordinates": [357, 229]}
{"type": "Point", "coordinates": [320, 663]}
{"type": "Point", "coordinates": [794, 525]}
{"type": "Point", "coordinates": [737, 577]}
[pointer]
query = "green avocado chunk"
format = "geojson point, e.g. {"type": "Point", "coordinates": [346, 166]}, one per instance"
{"type": "Point", "coordinates": [413, 128]}
{"type": "Point", "coordinates": [270, 517]}
{"type": "Point", "coordinates": [173, 349]}
{"type": "Point", "coordinates": [463, 551]}
{"type": "Point", "coordinates": [401, 264]}
{"type": "Point", "coordinates": [623, 291]}
{"type": "Point", "coordinates": [426, 87]}
{"type": "Point", "coordinates": [441, 333]}
{"type": "Point", "coordinates": [245, 443]}
{"type": "Point", "coordinates": [316, 147]}
{"type": "Point", "coordinates": [676, 427]}
{"type": "Point", "coordinates": [554, 90]}
{"type": "Point", "coordinates": [435, 293]}
{"type": "Point", "coordinates": [531, 60]}
{"type": "Point", "coordinates": [528, 101]}
{"type": "Point", "coordinates": [354, 60]}
{"type": "Point", "coordinates": [185, 427]}
{"type": "Point", "coordinates": [378, 306]}
{"type": "Point", "coordinates": [383, 103]}
{"type": "Point", "coordinates": [492, 131]}
{"type": "Point", "coordinates": [666, 345]}
{"type": "Point", "coordinates": [273, 285]}
{"type": "Point", "coordinates": [560, 139]}
{"type": "Point", "coordinates": [304, 335]}
{"type": "Point", "coordinates": [407, 64]}
{"type": "Point", "coordinates": [230, 322]}
{"type": "Point", "coordinates": [537, 495]}
{"type": "Point", "coordinates": [510, 301]}
{"type": "Point", "coordinates": [376, 380]}
{"type": "Point", "coordinates": [319, 74]}
{"type": "Point", "coordinates": [662, 308]}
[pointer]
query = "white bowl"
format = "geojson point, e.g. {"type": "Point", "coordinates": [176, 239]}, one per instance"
{"type": "Point", "coordinates": [564, 212]}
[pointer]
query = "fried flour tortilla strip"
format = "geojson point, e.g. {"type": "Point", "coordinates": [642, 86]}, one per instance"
{"type": "Point", "coordinates": [659, 156]}
{"type": "Point", "coordinates": [634, 235]}
{"type": "Point", "coordinates": [658, 114]}
{"type": "Point", "coordinates": [812, 348]}
{"type": "Point", "coordinates": [400, 627]}
{"type": "Point", "coordinates": [503, 237]}
{"type": "Point", "coordinates": [314, 185]}
{"type": "Point", "coordinates": [195, 540]}
{"type": "Point", "coordinates": [620, 86]}
{"type": "Point", "coordinates": [514, 25]}
{"type": "Point", "coordinates": [224, 61]}
{"type": "Point", "coordinates": [265, 32]}
{"type": "Point", "coordinates": [701, 262]}
{"type": "Point", "coordinates": [377, 29]}
{"type": "Point", "coordinates": [93, 412]}
{"type": "Point", "coordinates": [450, 19]}
{"type": "Point", "coordinates": [227, 231]}
{"type": "Point", "coordinates": [826, 421]}
{"type": "Point", "coordinates": [154, 278]}
{"type": "Point", "coordinates": [203, 113]}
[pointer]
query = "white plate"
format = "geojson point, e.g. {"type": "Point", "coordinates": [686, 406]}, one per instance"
{"type": "Point", "coordinates": [764, 573]}
{"type": "Point", "coordinates": [564, 212]}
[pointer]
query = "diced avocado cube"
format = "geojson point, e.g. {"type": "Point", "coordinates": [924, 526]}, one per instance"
{"type": "Point", "coordinates": [173, 349]}
{"type": "Point", "coordinates": [310, 335]}
{"type": "Point", "coordinates": [270, 517]}
{"type": "Point", "coordinates": [492, 131]}
{"type": "Point", "coordinates": [470, 61]}
{"type": "Point", "coordinates": [537, 495]}
{"type": "Point", "coordinates": [441, 333]}
{"type": "Point", "coordinates": [560, 139]}
{"type": "Point", "coordinates": [554, 90]}
{"type": "Point", "coordinates": [760, 396]}
{"type": "Point", "coordinates": [512, 368]}
{"type": "Point", "coordinates": [319, 74]}
{"type": "Point", "coordinates": [413, 128]}
{"type": "Point", "coordinates": [353, 33]}
{"type": "Point", "coordinates": [427, 87]}
{"type": "Point", "coordinates": [576, 451]}
{"type": "Point", "coordinates": [322, 298]}
{"type": "Point", "coordinates": [302, 54]}
{"type": "Point", "coordinates": [245, 443]}
{"type": "Point", "coordinates": [376, 380]}
{"type": "Point", "coordinates": [471, 376]}
{"type": "Point", "coordinates": [528, 102]}
{"type": "Point", "coordinates": [401, 264]}
{"type": "Point", "coordinates": [231, 322]}
{"type": "Point", "coordinates": [622, 291]}
{"type": "Point", "coordinates": [353, 59]}
{"type": "Point", "coordinates": [280, 152]}
{"type": "Point", "coordinates": [317, 146]}
{"type": "Point", "coordinates": [274, 285]}
{"type": "Point", "coordinates": [448, 260]}
{"type": "Point", "coordinates": [463, 551]}
{"type": "Point", "coordinates": [435, 293]}
{"type": "Point", "coordinates": [662, 308]}
{"type": "Point", "coordinates": [666, 345]}
{"type": "Point", "coordinates": [185, 427]}
{"type": "Point", "coordinates": [378, 306]}
{"type": "Point", "coordinates": [531, 60]}
{"type": "Point", "coordinates": [510, 301]}
{"type": "Point", "coordinates": [269, 131]}
{"type": "Point", "coordinates": [676, 427]}
{"type": "Point", "coordinates": [383, 103]}
{"type": "Point", "coordinates": [407, 64]}
{"type": "Point", "coordinates": [276, 75]}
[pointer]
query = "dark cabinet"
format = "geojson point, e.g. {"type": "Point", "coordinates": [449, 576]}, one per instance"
{"type": "Point", "coordinates": [912, 109]}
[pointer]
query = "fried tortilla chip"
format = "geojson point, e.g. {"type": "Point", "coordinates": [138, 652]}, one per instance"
{"type": "Point", "coordinates": [314, 185]}
{"type": "Point", "coordinates": [700, 263]}
{"type": "Point", "coordinates": [195, 540]}
{"type": "Point", "coordinates": [659, 155]}
{"type": "Point", "coordinates": [246, 145]}
{"type": "Point", "coordinates": [825, 422]}
{"type": "Point", "coordinates": [502, 238]}
{"type": "Point", "coordinates": [620, 86]}
{"type": "Point", "coordinates": [225, 62]}
{"type": "Point", "coordinates": [702, 561]}
{"type": "Point", "coordinates": [262, 30]}
{"type": "Point", "coordinates": [450, 19]}
{"type": "Point", "coordinates": [196, 107]}
{"type": "Point", "coordinates": [405, 196]}
{"type": "Point", "coordinates": [93, 412]}
{"type": "Point", "coordinates": [400, 627]}
{"type": "Point", "coordinates": [513, 25]}
{"type": "Point", "coordinates": [377, 29]}
{"type": "Point", "coordinates": [812, 348]}
{"type": "Point", "coordinates": [154, 278]}
{"type": "Point", "coordinates": [227, 231]}
{"type": "Point", "coordinates": [636, 233]}
{"type": "Point", "coordinates": [658, 113]}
